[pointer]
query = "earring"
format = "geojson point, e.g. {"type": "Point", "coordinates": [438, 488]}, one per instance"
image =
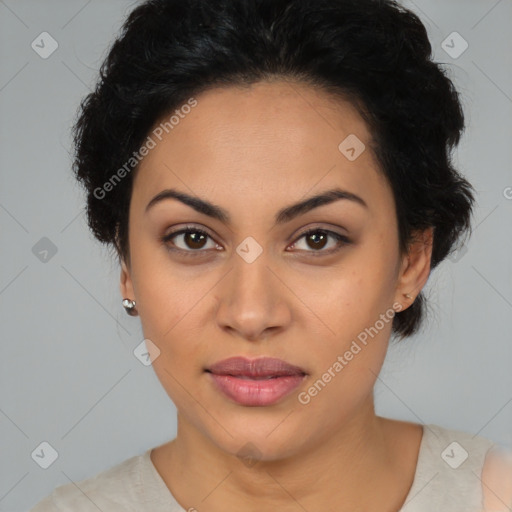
{"type": "Point", "coordinates": [129, 306]}
{"type": "Point", "coordinates": [407, 296]}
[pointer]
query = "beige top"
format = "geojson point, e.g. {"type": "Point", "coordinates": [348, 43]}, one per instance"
{"type": "Point", "coordinates": [447, 479]}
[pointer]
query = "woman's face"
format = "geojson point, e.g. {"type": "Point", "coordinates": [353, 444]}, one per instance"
{"type": "Point", "coordinates": [254, 286]}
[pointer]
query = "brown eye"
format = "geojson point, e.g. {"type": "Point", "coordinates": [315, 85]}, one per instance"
{"type": "Point", "coordinates": [316, 240]}
{"type": "Point", "coordinates": [194, 240]}
{"type": "Point", "coordinates": [189, 240]}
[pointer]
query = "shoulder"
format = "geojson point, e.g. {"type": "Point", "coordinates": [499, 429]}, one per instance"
{"type": "Point", "coordinates": [456, 455]}
{"type": "Point", "coordinates": [457, 448]}
{"type": "Point", "coordinates": [118, 488]}
{"type": "Point", "coordinates": [497, 480]}
{"type": "Point", "coordinates": [450, 471]}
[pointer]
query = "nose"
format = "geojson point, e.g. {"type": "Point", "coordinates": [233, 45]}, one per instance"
{"type": "Point", "coordinates": [253, 301]}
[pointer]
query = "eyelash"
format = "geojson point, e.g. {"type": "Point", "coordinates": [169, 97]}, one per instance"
{"type": "Point", "coordinates": [342, 241]}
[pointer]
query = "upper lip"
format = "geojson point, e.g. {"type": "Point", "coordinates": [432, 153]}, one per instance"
{"type": "Point", "coordinates": [262, 367]}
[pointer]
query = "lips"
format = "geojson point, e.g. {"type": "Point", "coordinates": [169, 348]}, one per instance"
{"type": "Point", "coordinates": [263, 368]}
{"type": "Point", "coordinates": [256, 382]}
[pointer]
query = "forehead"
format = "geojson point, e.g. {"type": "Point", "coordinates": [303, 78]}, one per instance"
{"type": "Point", "coordinates": [293, 115]}
{"type": "Point", "coordinates": [268, 138]}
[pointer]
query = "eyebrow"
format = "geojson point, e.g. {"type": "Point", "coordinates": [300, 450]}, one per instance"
{"type": "Point", "coordinates": [284, 215]}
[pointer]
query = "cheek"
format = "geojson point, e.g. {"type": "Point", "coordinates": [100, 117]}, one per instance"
{"type": "Point", "coordinates": [355, 304]}
{"type": "Point", "coordinates": [352, 296]}
{"type": "Point", "coordinates": [171, 305]}
{"type": "Point", "coordinates": [166, 292]}
{"type": "Point", "coordinates": [345, 371]}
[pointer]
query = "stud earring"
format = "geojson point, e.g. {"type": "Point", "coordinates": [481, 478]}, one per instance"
{"type": "Point", "coordinates": [129, 306]}
{"type": "Point", "coordinates": [407, 296]}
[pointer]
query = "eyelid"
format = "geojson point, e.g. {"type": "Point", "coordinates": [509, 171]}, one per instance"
{"type": "Point", "coordinates": [165, 239]}
{"type": "Point", "coordinates": [342, 240]}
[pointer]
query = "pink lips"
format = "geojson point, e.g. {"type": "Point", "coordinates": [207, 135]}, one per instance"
{"type": "Point", "coordinates": [256, 382]}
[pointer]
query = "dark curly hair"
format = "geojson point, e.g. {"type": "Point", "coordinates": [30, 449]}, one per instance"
{"type": "Point", "coordinates": [375, 53]}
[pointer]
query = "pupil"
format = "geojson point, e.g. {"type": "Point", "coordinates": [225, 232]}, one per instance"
{"type": "Point", "coordinates": [194, 237]}
{"type": "Point", "coordinates": [196, 240]}
{"type": "Point", "coordinates": [314, 236]}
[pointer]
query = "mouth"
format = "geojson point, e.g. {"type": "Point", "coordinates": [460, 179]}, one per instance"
{"type": "Point", "coordinates": [257, 382]}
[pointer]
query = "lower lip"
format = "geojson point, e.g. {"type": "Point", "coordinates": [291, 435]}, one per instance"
{"type": "Point", "coordinates": [256, 392]}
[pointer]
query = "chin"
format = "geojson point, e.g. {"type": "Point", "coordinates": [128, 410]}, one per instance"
{"type": "Point", "coordinates": [261, 441]}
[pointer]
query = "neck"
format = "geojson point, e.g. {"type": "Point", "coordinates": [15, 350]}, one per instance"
{"type": "Point", "coordinates": [353, 470]}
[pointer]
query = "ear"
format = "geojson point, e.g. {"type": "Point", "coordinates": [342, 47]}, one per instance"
{"type": "Point", "coordinates": [126, 284]}
{"type": "Point", "coordinates": [415, 267]}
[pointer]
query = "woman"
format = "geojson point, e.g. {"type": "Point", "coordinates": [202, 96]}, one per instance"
{"type": "Point", "coordinates": [275, 178]}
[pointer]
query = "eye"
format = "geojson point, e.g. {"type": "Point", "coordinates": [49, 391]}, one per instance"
{"type": "Point", "coordinates": [188, 240]}
{"type": "Point", "coordinates": [317, 240]}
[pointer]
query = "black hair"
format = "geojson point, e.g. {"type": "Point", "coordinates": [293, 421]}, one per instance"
{"type": "Point", "coordinates": [374, 52]}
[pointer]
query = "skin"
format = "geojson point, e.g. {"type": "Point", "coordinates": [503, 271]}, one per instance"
{"type": "Point", "coordinates": [253, 151]}
{"type": "Point", "coordinates": [497, 480]}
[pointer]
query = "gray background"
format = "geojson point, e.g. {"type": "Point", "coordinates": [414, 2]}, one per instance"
{"type": "Point", "coordinates": [68, 374]}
